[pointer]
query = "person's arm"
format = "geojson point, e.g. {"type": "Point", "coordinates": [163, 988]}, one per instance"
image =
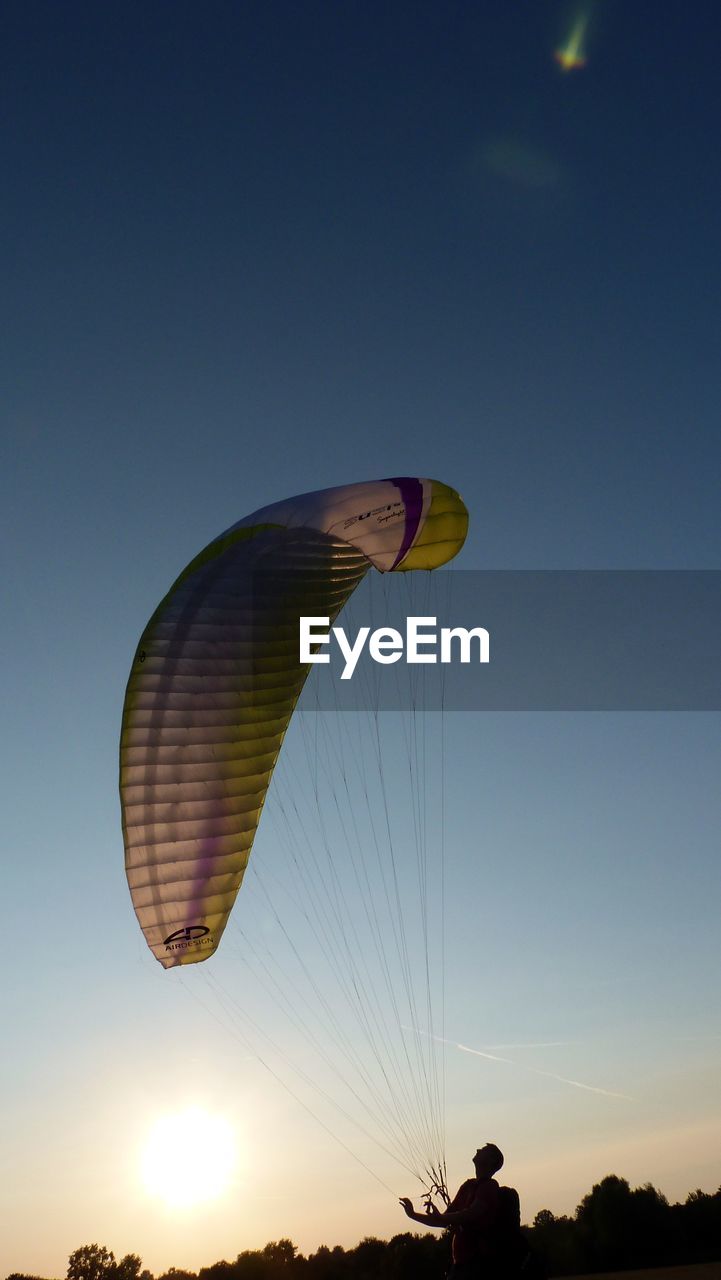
{"type": "Point", "coordinates": [478, 1212]}
{"type": "Point", "coordinates": [430, 1218]}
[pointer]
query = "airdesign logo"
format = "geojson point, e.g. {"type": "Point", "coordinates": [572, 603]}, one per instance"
{"type": "Point", "coordinates": [186, 937]}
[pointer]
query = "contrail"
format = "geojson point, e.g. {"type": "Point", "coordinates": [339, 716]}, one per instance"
{"type": "Point", "coordinates": [533, 1044]}
{"type": "Point", "coordinates": [522, 1066]}
{"type": "Point", "coordinates": [578, 1084]}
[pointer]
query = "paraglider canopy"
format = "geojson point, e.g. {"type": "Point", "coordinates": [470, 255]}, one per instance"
{"type": "Point", "coordinates": [216, 678]}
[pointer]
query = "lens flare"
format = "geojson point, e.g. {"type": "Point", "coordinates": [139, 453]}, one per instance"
{"type": "Point", "coordinates": [572, 55]}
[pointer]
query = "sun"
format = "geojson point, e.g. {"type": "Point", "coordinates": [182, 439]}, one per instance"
{"type": "Point", "coordinates": [189, 1157]}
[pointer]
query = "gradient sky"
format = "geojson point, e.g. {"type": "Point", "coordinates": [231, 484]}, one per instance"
{"type": "Point", "coordinates": [254, 249]}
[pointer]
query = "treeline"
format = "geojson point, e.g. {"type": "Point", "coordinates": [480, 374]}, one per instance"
{"type": "Point", "coordinates": [405, 1257]}
{"type": "Point", "coordinates": [614, 1228]}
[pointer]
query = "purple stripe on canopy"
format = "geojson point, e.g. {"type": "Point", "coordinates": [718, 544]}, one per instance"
{"type": "Point", "coordinates": [412, 495]}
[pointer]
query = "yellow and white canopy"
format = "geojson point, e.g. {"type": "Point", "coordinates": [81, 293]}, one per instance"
{"type": "Point", "coordinates": [216, 677]}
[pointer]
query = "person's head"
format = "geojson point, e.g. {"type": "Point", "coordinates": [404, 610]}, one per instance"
{"type": "Point", "coordinates": [487, 1160]}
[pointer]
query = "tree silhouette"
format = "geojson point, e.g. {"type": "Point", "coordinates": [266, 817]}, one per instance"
{"type": "Point", "coordinates": [91, 1262]}
{"type": "Point", "coordinates": [128, 1268]}
{"type": "Point", "coordinates": [280, 1253]}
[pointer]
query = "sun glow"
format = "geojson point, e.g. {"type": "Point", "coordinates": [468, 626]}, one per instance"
{"type": "Point", "coordinates": [189, 1158]}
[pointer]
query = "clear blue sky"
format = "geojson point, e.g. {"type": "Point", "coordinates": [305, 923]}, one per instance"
{"type": "Point", "coordinates": [252, 250]}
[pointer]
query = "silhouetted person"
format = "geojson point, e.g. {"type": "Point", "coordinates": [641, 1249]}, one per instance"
{"type": "Point", "coordinates": [484, 1220]}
